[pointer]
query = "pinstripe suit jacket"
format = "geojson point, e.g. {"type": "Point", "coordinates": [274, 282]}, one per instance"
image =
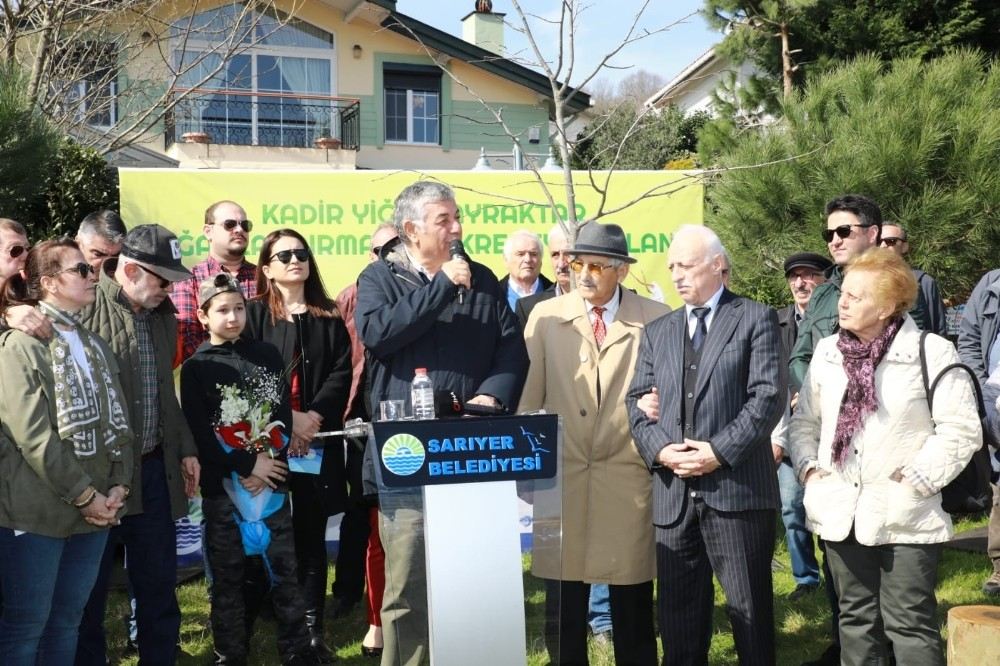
{"type": "Point", "coordinates": [739, 395]}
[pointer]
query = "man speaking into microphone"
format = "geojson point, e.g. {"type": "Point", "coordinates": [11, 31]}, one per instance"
{"type": "Point", "coordinates": [424, 304]}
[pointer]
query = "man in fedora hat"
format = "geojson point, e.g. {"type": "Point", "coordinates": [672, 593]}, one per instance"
{"type": "Point", "coordinates": [134, 315]}
{"type": "Point", "coordinates": [582, 346]}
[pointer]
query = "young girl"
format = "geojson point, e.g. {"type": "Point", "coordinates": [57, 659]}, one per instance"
{"type": "Point", "coordinates": [227, 361]}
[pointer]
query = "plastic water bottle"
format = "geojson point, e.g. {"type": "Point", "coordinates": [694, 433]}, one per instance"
{"type": "Point", "coordinates": [422, 396]}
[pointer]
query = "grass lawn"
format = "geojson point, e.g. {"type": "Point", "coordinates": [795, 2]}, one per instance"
{"type": "Point", "coordinates": [802, 628]}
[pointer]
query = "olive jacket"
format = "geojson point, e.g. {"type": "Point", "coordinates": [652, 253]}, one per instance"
{"type": "Point", "coordinates": [111, 318]}
{"type": "Point", "coordinates": [42, 475]}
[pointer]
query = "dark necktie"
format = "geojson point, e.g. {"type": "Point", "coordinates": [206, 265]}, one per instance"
{"type": "Point", "coordinates": [600, 330]}
{"type": "Point", "coordinates": [700, 329]}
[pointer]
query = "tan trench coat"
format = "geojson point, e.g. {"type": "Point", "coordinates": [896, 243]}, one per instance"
{"type": "Point", "coordinates": [607, 521]}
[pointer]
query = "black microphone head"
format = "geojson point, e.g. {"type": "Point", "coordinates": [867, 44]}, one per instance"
{"type": "Point", "coordinates": [457, 248]}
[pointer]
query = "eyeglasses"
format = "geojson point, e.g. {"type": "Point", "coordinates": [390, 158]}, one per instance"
{"type": "Point", "coordinates": [595, 270]}
{"type": "Point", "coordinates": [16, 251]}
{"type": "Point", "coordinates": [377, 250]}
{"type": "Point", "coordinates": [229, 225]}
{"type": "Point", "coordinates": [164, 282]}
{"type": "Point", "coordinates": [892, 242]}
{"type": "Point", "coordinates": [285, 256]}
{"type": "Point", "coordinates": [82, 269]}
{"type": "Point", "coordinates": [843, 231]}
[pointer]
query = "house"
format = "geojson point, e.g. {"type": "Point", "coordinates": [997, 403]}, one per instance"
{"type": "Point", "coordinates": [691, 90]}
{"type": "Point", "coordinates": [341, 84]}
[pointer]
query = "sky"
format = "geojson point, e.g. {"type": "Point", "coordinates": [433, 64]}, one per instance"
{"type": "Point", "coordinates": [602, 26]}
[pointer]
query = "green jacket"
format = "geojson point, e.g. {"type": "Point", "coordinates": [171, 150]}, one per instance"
{"type": "Point", "coordinates": [110, 318]}
{"type": "Point", "coordinates": [41, 474]}
{"type": "Point", "coordinates": [822, 319]}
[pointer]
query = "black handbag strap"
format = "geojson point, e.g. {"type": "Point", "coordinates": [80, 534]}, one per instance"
{"type": "Point", "coordinates": [930, 387]}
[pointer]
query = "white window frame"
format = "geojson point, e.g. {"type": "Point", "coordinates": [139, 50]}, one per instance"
{"type": "Point", "coordinates": [409, 119]}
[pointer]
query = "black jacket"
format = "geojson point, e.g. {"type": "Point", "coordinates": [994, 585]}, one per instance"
{"type": "Point", "coordinates": [406, 322]}
{"type": "Point", "coordinates": [201, 399]}
{"type": "Point", "coordinates": [325, 377]}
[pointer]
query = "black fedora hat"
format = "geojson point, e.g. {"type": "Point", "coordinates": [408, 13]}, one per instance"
{"type": "Point", "coordinates": [604, 240]}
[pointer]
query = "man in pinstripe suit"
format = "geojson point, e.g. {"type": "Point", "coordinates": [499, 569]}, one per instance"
{"type": "Point", "coordinates": [717, 366]}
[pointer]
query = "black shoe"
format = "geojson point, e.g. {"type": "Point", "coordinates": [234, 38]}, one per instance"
{"type": "Point", "coordinates": [802, 590]}
{"type": "Point", "coordinates": [131, 648]}
{"type": "Point", "coordinates": [371, 651]}
{"type": "Point", "coordinates": [830, 657]}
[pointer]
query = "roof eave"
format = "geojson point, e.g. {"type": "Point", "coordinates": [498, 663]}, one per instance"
{"type": "Point", "coordinates": [431, 37]}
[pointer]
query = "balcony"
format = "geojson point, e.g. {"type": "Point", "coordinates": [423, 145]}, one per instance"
{"type": "Point", "coordinates": [269, 119]}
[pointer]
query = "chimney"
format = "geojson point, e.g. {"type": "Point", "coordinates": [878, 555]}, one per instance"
{"type": "Point", "coordinates": [484, 28]}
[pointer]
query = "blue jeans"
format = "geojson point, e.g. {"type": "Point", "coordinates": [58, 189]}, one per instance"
{"type": "Point", "coordinates": [151, 563]}
{"type": "Point", "coordinates": [599, 613]}
{"type": "Point", "coordinates": [805, 568]}
{"type": "Point", "coordinates": [46, 582]}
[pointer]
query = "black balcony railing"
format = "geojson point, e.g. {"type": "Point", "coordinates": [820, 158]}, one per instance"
{"type": "Point", "coordinates": [242, 118]}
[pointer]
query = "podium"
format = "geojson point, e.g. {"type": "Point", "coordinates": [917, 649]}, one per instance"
{"type": "Point", "coordinates": [449, 494]}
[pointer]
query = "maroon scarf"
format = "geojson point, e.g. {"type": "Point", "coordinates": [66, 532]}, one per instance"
{"type": "Point", "coordinates": [860, 400]}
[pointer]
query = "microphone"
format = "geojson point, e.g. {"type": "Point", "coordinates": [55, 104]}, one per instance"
{"type": "Point", "coordinates": [457, 251]}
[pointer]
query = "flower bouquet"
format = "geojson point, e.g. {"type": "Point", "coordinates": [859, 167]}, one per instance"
{"type": "Point", "coordinates": [245, 423]}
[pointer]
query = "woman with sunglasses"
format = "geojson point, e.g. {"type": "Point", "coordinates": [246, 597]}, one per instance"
{"type": "Point", "coordinates": [293, 312]}
{"type": "Point", "coordinates": [65, 459]}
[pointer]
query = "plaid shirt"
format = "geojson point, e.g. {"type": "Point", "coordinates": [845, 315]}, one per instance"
{"type": "Point", "coordinates": [184, 294]}
{"type": "Point", "coordinates": [149, 389]}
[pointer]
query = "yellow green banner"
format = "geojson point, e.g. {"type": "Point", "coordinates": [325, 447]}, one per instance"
{"type": "Point", "coordinates": [337, 211]}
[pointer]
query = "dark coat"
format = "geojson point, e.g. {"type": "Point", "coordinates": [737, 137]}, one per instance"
{"type": "Point", "coordinates": [789, 329]}
{"type": "Point", "coordinates": [111, 318]}
{"type": "Point", "coordinates": [544, 284]}
{"type": "Point", "coordinates": [210, 367]}
{"type": "Point", "coordinates": [325, 374]}
{"type": "Point", "coordinates": [526, 304]}
{"type": "Point", "coordinates": [406, 323]}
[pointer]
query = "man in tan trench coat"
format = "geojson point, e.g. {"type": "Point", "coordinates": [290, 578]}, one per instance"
{"type": "Point", "coordinates": [583, 347]}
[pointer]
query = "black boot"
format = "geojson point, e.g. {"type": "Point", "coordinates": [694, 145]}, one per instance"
{"type": "Point", "coordinates": [314, 622]}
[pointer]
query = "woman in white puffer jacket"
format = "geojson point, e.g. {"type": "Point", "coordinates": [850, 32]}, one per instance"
{"type": "Point", "coordinates": [874, 459]}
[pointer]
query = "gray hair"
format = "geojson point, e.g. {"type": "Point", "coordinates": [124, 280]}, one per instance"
{"type": "Point", "coordinates": [520, 233]}
{"type": "Point", "coordinates": [14, 226]}
{"type": "Point", "coordinates": [410, 203]}
{"type": "Point", "coordinates": [104, 223]}
{"type": "Point", "coordinates": [713, 246]}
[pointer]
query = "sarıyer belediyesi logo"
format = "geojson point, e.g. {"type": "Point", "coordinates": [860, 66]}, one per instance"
{"type": "Point", "coordinates": [403, 454]}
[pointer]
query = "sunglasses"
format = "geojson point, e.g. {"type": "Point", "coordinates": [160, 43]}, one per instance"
{"type": "Point", "coordinates": [82, 269]}
{"type": "Point", "coordinates": [285, 256]}
{"type": "Point", "coordinates": [843, 231]}
{"type": "Point", "coordinates": [377, 250]}
{"type": "Point", "coordinates": [164, 282]}
{"type": "Point", "coordinates": [16, 251]}
{"type": "Point", "coordinates": [229, 225]}
{"type": "Point", "coordinates": [892, 242]}
{"type": "Point", "coordinates": [595, 270]}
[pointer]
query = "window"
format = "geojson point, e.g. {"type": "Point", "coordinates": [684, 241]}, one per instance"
{"type": "Point", "coordinates": [89, 79]}
{"type": "Point", "coordinates": [412, 103]}
{"type": "Point", "coordinates": [271, 93]}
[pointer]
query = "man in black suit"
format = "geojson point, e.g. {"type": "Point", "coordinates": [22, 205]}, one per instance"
{"type": "Point", "coordinates": [522, 252]}
{"type": "Point", "coordinates": [717, 365]}
{"type": "Point", "coordinates": [558, 246]}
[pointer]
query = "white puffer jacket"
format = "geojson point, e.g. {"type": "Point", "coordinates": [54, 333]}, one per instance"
{"type": "Point", "coordinates": [900, 434]}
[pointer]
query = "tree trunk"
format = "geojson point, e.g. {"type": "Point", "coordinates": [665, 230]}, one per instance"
{"type": "Point", "coordinates": [787, 68]}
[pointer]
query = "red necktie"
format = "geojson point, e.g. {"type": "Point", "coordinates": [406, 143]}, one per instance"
{"type": "Point", "coordinates": [600, 330]}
